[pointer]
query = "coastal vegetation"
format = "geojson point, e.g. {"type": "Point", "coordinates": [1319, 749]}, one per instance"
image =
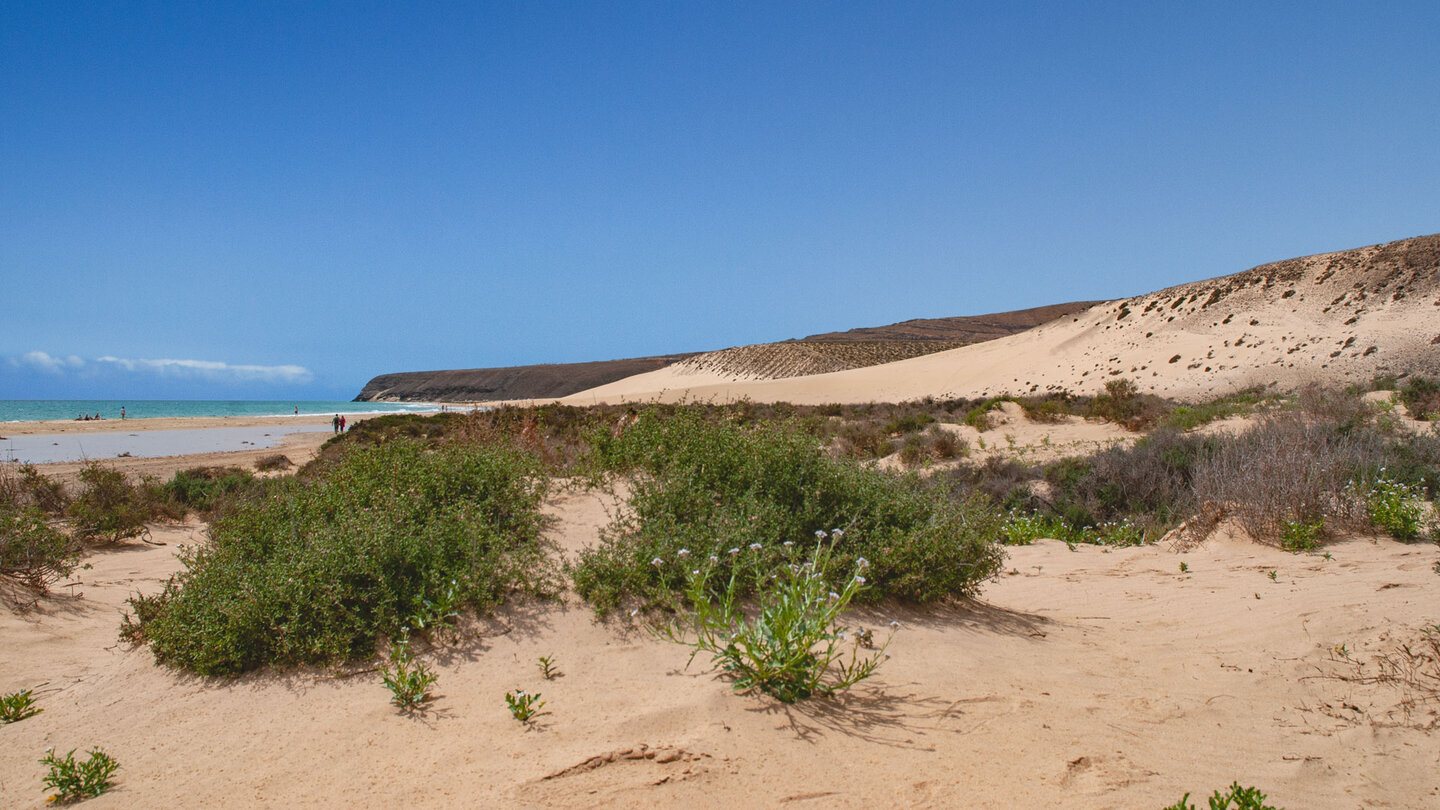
{"type": "Point", "coordinates": [717, 487]}
{"type": "Point", "coordinates": [407, 512]}
{"type": "Point", "coordinates": [352, 552]}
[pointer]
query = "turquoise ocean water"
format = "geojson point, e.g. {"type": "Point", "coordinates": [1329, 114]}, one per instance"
{"type": "Point", "coordinates": [29, 410]}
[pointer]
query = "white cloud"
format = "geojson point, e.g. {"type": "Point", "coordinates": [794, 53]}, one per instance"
{"type": "Point", "coordinates": [51, 365]}
{"type": "Point", "coordinates": [212, 370]}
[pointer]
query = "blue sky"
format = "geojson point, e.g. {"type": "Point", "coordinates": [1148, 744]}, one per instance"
{"type": "Point", "coordinates": [278, 200]}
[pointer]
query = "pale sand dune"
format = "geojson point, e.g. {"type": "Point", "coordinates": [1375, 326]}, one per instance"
{"type": "Point", "coordinates": [1342, 317]}
{"type": "Point", "coordinates": [1084, 679]}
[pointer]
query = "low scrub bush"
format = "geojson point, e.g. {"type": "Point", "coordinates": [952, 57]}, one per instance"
{"type": "Point", "coordinates": [793, 647]}
{"type": "Point", "coordinates": [978, 417]}
{"type": "Point", "coordinates": [325, 566]}
{"type": "Point", "coordinates": [717, 487]}
{"type": "Point", "coordinates": [273, 463]}
{"type": "Point", "coordinates": [934, 444]}
{"type": "Point", "coordinates": [908, 423]}
{"type": "Point", "coordinates": [1288, 471]}
{"type": "Point", "coordinates": [1050, 408]}
{"type": "Point", "coordinates": [36, 489]}
{"type": "Point", "coordinates": [203, 489]}
{"type": "Point", "coordinates": [32, 551]}
{"type": "Point", "coordinates": [109, 509]}
{"type": "Point", "coordinates": [1190, 416]}
{"type": "Point", "coordinates": [1422, 398]}
{"type": "Point", "coordinates": [1123, 404]}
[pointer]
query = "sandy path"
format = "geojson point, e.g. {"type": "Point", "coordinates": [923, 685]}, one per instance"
{"type": "Point", "coordinates": [1086, 678]}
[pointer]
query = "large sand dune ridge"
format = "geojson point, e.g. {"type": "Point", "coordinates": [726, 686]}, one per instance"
{"type": "Point", "coordinates": [1342, 317]}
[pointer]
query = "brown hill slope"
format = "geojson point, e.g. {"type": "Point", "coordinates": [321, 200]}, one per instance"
{"type": "Point", "coordinates": [797, 358]}
{"type": "Point", "coordinates": [514, 382]}
{"type": "Point", "coordinates": [960, 329]}
{"type": "Point", "coordinates": [816, 354]}
{"type": "Point", "coordinates": [1336, 317]}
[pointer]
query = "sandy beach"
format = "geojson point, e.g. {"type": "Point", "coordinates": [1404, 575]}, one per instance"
{"type": "Point", "coordinates": [299, 447]}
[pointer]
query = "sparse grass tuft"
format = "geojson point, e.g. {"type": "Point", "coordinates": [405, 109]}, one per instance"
{"type": "Point", "coordinates": [523, 705]}
{"type": "Point", "coordinates": [17, 706]}
{"type": "Point", "coordinates": [73, 781]}
{"type": "Point", "coordinates": [408, 680]}
{"type": "Point", "coordinates": [793, 646]}
{"type": "Point", "coordinates": [1233, 798]}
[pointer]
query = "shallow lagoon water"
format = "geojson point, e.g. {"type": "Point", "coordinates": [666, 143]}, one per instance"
{"type": "Point", "coordinates": [145, 443]}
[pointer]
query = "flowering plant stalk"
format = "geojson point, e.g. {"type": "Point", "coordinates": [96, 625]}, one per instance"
{"type": "Point", "coordinates": [794, 647]}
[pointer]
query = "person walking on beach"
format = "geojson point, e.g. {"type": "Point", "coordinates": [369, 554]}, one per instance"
{"type": "Point", "coordinates": [335, 424]}
{"type": "Point", "coordinates": [342, 424]}
{"type": "Point", "coordinates": [122, 413]}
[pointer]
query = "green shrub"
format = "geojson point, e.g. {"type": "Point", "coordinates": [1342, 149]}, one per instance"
{"type": "Point", "coordinates": [913, 451]}
{"type": "Point", "coordinates": [1189, 417]}
{"type": "Point", "coordinates": [1123, 404]}
{"type": "Point", "coordinates": [204, 488]}
{"type": "Point", "coordinates": [32, 551]}
{"type": "Point", "coordinates": [794, 647]}
{"type": "Point", "coordinates": [108, 509]}
{"type": "Point", "coordinates": [325, 566]}
{"type": "Point", "coordinates": [1235, 798]}
{"type": "Point", "coordinates": [40, 490]}
{"type": "Point", "coordinates": [1421, 397]}
{"type": "Point", "coordinates": [978, 417]}
{"type": "Point", "coordinates": [714, 487]}
{"type": "Point", "coordinates": [73, 781]}
{"type": "Point", "coordinates": [1049, 409]}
